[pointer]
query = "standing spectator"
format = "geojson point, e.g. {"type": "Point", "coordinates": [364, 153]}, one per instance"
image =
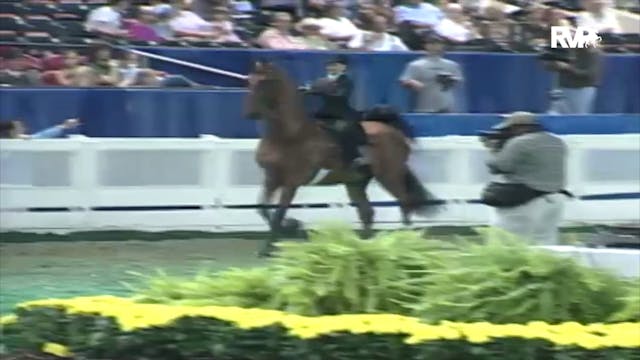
{"type": "Point", "coordinates": [335, 25]}
{"type": "Point", "coordinates": [578, 77]}
{"type": "Point", "coordinates": [599, 16]}
{"type": "Point", "coordinates": [433, 79]}
{"type": "Point", "coordinates": [455, 26]}
{"type": "Point", "coordinates": [103, 68]}
{"type": "Point", "coordinates": [17, 130]}
{"type": "Point", "coordinates": [312, 37]}
{"type": "Point", "coordinates": [529, 198]}
{"type": "Point", "coordinates": [378, 39]}
{"type": "Point", "coordinates": [278, 35]}
{"type": "Point", "coordinates": [108, 19]}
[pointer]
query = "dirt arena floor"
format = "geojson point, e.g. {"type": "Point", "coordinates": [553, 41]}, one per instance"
{"type": "Point", "coordinates": [63, 269]}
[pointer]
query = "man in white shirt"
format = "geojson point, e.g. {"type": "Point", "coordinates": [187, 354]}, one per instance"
{"type": "Point", "coordinates": [108, 19]}
{"type": "Point", "coordinates": [418, 14]}
{"type": "Point", "coordinates": [378, 39]}
{"type": "Point", "coordinates": [599, 16]}
{"type": "Point", "coordinates": [455, 27]}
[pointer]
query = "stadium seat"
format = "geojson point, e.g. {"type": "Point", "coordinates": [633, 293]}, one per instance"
{"type": "Point", "coordinates": [38, 37]}
{"type": "Point", "coordinates": [12, 22]}
{"type": "Point", "coordinates": [63, 16]}
{"type": "Point", "coordinates": [44, 23]}
{"type": "Point", "coordinates": [75, 29]}
{"type": "Point", "coordinates": [8, 35]}
{"type": "Point", "coordinates": [78, 9]}
{"type": "Point", "coordinates": [41, 9]}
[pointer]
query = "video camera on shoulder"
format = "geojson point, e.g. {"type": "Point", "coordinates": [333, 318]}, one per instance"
{"type": "Point", "coordinates": [557, 54]}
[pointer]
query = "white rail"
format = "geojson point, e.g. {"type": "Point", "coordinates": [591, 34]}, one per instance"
{"type": "Point", "coordinates": [217, 180]}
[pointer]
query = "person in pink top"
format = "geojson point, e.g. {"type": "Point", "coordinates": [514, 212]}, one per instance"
{"type": "Point", "coordinates": [278, 35]}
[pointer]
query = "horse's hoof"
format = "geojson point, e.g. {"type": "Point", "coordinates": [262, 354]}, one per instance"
{"type": "Point", "coordinates": [266, 251]}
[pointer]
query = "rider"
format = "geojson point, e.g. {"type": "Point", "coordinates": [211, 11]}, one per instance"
{"type": "Point", "coordinates": [336, 112]}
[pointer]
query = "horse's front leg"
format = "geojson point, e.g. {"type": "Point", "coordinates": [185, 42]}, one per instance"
{"type": "Point", "coordinates": [286, 197]}
{"type": "Point", "coordinates": [264, 202]}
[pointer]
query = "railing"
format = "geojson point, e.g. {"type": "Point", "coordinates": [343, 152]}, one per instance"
{"type": "Point", "coordinates": [212, 184]}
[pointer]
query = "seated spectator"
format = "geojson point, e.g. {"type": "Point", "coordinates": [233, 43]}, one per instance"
{"type": "Point", "coordinates": [102, 67]}
{"type": "Point", "coordinates": [312, 37]}
{"type": "Point", "coordinates": [378, 39]}
{"type": "Point", "coordinates": [413, 18]}
{"type": "Point", "coordinates": [17, 130]}
{"type": "Point", "coordinates": [278, 35]}
{"type": "Point", "coordinates": [335, 25]}
{"type": "Point", "coordinates": [130, 66]}
{"type": "Point", "coordinates": [108, 19]}
{"type": "Point", "coordinates": [497, 27]}
{"type": "Point", "coordinates": [369, 8]}
{"type": "Point", "coordinates": [599, 16]}
{"type": "Point", "coordinates": [19, 70]}
{"type": "Point", "coordinates": [68, 74]}
{"type": "Point", "coordinates": [418, 13]}
{"type": "Point", "coordinates": [143, 27]}
{"type": "Point", "coordinates": [223, 25]}
{"type": "Point", "coordinates": [161, 26]}
{"type": "Point", "coordinates": [455, 26]}
{"type": "Point", "coordinates": [186, 23]}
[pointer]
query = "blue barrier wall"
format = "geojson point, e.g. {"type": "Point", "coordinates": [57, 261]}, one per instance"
{"type": "Point", "coordinates": [495, 83]}
{"type": "Point", "coordinates": [189, 113]}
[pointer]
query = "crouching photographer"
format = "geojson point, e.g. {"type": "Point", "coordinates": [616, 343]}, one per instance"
{"type": "Point", "coordinates": [530, 166]}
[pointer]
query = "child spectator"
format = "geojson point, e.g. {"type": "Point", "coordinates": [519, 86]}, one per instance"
{"type": "Point", "coordinates": [104, 70]}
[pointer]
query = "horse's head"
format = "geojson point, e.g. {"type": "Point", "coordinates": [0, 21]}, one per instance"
{"type": "Point", "coordinates": [273, 97]}
{"type": "Point", "coordinates": [267, 87]}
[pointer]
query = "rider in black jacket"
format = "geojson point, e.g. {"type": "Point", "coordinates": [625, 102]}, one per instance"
{"type": "Point", "coordinates": [337, 114]}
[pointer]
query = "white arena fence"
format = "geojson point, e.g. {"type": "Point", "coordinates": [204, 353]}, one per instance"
{"type": "Point", "coordinates": [212, 184]}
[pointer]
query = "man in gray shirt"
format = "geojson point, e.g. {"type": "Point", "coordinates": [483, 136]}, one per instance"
{"type": "Point", "coordinates": [433, 79]}
{"type": "Point", "coordinates": [537, 159]}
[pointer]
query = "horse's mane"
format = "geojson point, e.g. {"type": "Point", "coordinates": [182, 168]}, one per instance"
{"type": "Point", "coordinates": [289, 107]}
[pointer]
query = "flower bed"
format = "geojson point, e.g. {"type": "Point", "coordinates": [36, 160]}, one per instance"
{"type": "Point", "coordinates": [107, 327]}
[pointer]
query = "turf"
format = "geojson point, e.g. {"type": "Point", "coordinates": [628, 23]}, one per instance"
{"type": "Point", "coordinates": [34, 266]}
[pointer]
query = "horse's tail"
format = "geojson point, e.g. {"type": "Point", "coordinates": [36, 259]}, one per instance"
{"type": "Point", "coordinates": [421, 201]}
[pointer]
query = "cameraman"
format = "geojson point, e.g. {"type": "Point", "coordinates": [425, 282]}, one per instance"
{"type": "Point", "coordinates": [433, 78]}
{"type": "Point", "coordinates": [577, 74]}
{"type": "Point", "coordinates": [529, 198]}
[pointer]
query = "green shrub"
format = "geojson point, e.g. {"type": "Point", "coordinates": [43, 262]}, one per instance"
{"type": "Point", "coordinates": [500, 280]}
{"type": "Point", "coordinates": [506, 281]}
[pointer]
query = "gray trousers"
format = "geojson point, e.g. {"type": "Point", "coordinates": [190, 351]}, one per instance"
{"type": "Point", "coordinates": [574, 101]}
{"type": "Point", "coordinates": [537, 221]}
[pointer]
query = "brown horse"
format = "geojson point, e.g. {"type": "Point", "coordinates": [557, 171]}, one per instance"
{"type": "Point", "coordinates": [294, 152]}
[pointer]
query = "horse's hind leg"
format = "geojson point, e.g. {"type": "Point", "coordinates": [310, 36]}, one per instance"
{"type": "Point", "coordinates": [358, 195]}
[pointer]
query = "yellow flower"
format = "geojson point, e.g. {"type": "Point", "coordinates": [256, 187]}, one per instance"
{"type": "Point", "coordinates": [56, 349]}
{"type": "Point", "coordinates": [8, 319]}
